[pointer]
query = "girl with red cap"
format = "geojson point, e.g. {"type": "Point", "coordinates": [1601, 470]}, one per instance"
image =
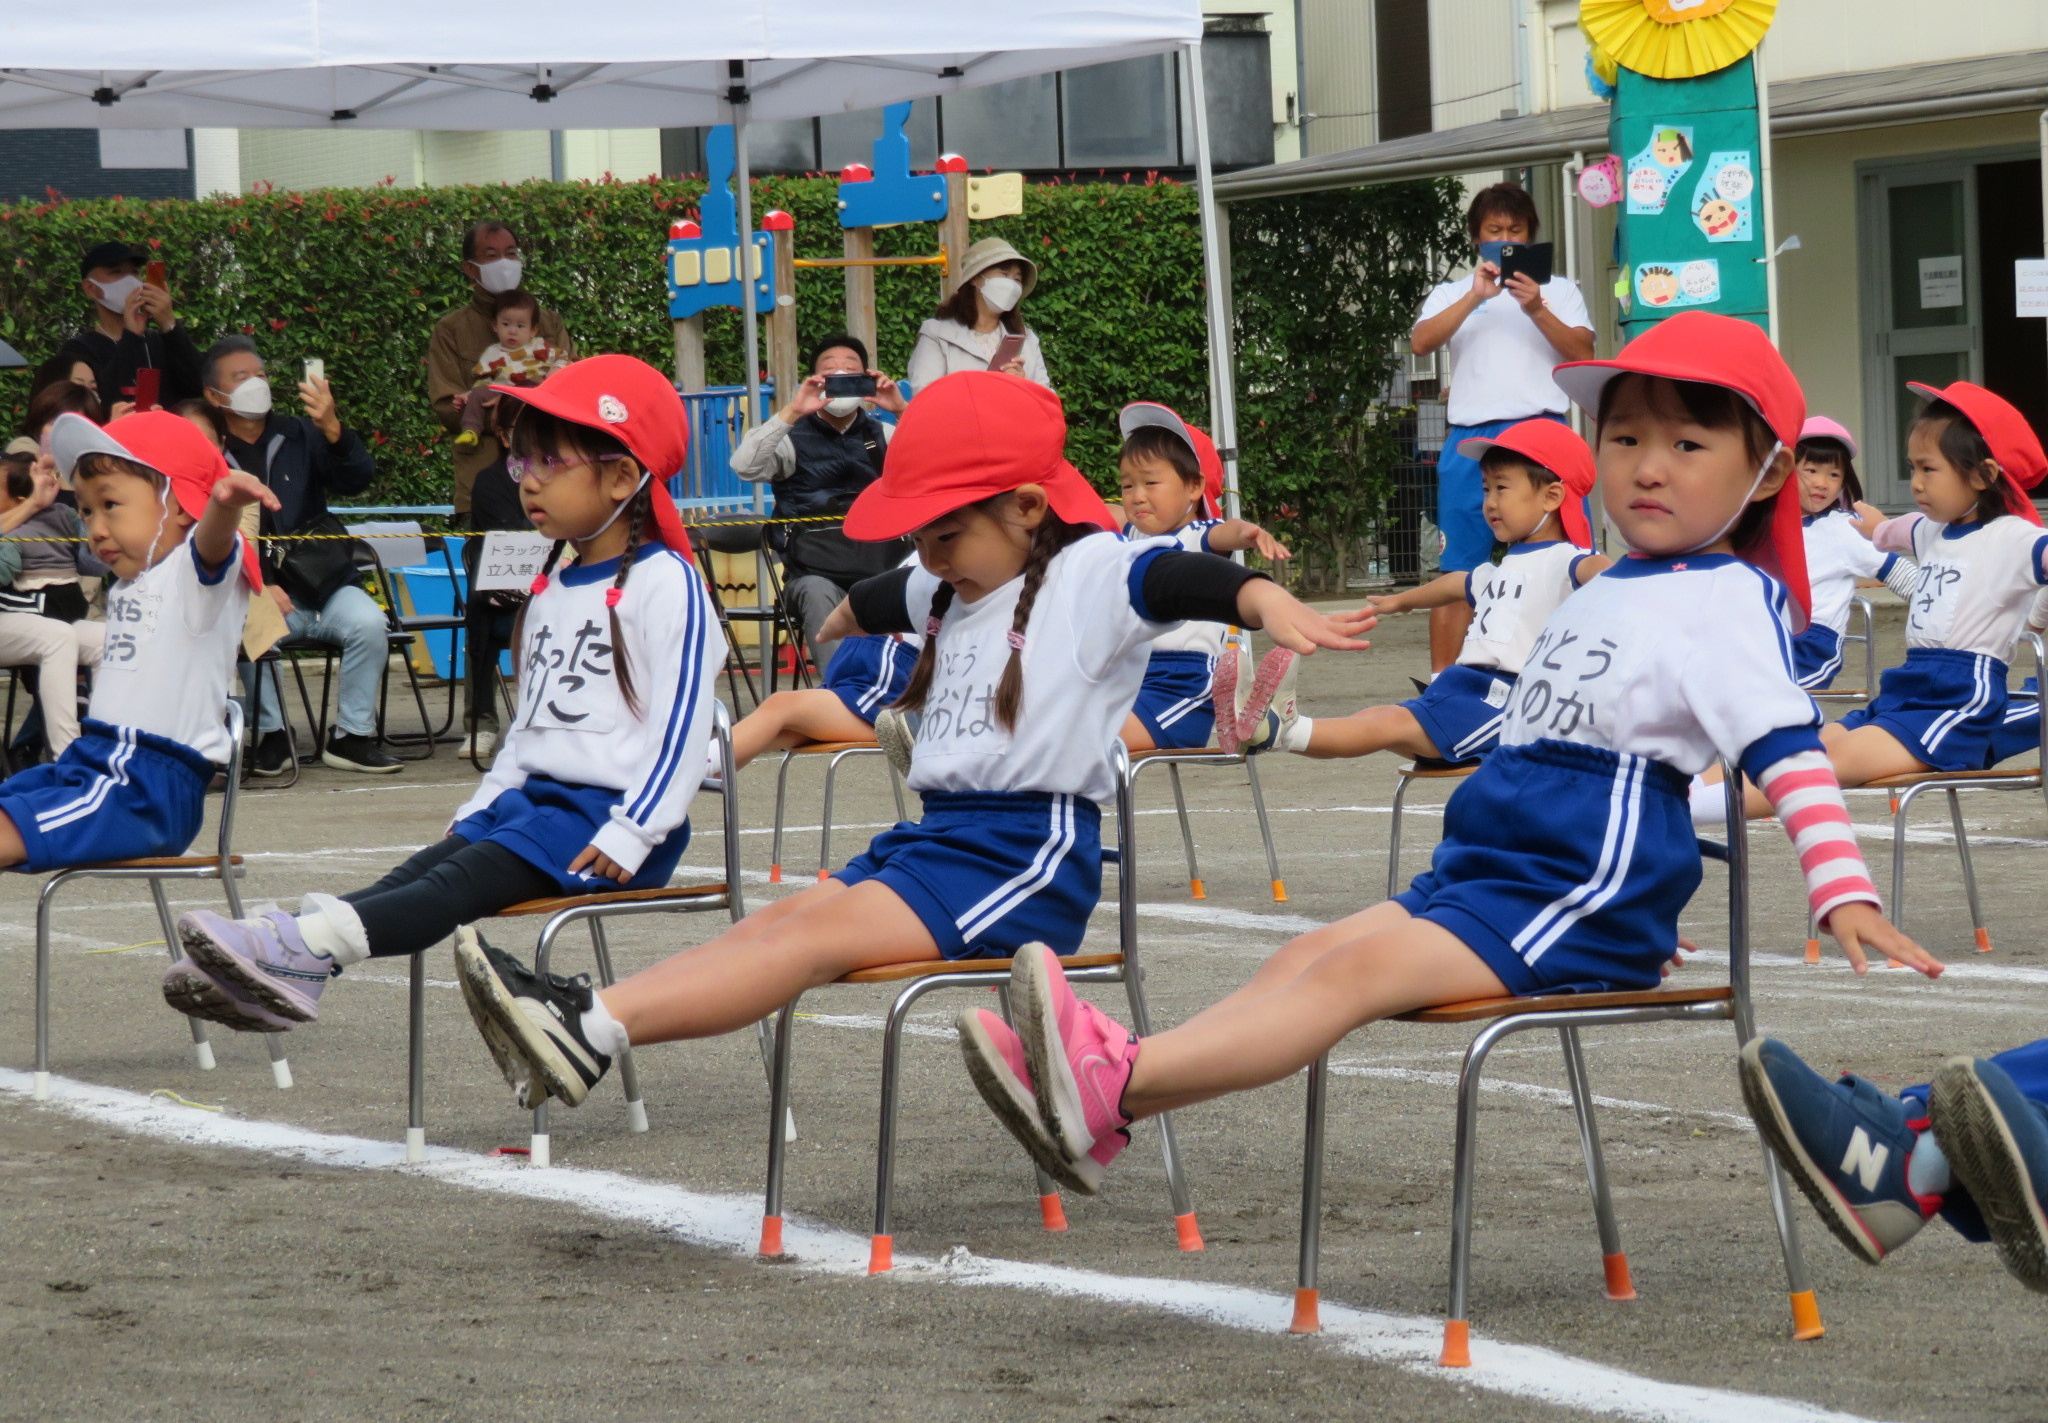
{"type": "Point", "coordinates": [1036, 622]}
{"type": "Point", "coordinates": [1535, 478]}
{"type": "Point", "coordinates": [161, 509]}
{"type": "Point", "coordinates": [617, 656]}
{"type": "Point", "coordinates": [1838, 547]}
{"type": "Point", "coordinates": [1569, 854]}
{"type": "Point", "coordinates": [1166, 470]}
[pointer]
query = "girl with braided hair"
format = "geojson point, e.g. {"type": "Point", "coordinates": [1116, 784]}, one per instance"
{"type": "Point", "coordinates": [618, 652]}
{"type": "Point", "coordinates": [1037, 624]}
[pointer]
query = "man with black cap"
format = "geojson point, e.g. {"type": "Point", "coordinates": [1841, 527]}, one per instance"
{"type": "Point", "coordinates": [817, 453]}
{"type": "Point", "coordinates": [121, 342]}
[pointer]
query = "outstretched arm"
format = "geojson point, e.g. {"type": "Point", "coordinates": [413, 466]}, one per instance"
{"type": "Point", "coordinates": [1437, 593]}
{"type": "Point", "coordinates": [214, 538]}
{"type": "Point", "coordinates": [1233, 535]}
{"type": "Point", "coordinates": [1293, 624]}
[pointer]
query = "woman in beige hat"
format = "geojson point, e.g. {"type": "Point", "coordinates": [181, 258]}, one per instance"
{"type": "Point", "coordinates": [971, 323]}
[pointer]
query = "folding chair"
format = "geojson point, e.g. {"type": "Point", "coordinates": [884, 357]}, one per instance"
{"type": "Point", "coordinates": [1173, 760]}
{"type": "Point", "coordinates": [223, 865]}
{"type": "Point", "coordinates": [593, 909]}
{"type": "Point", "coordinates": [926, 975]}
{"type": "Point", "coordinates": [1868, 637]}
{"type": "Point", "coordinates": [401, 546]}
{"type": "Point", "coordinates": [769, 615]}
{"type": "Point", "coordinates": [1406, 776]}
{"type": "Point", "coordinates": [838, 751]}
{"type": "Point", "coordinates": [1567, 1012]}
{"type": "Point", "coordinates": [1905, 789]}
{"type": "Point", "coordinates": [268, 665]}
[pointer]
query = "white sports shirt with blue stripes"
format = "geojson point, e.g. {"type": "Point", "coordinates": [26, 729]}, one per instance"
{"type": "Point", "coordinates": [171, 639]}
{"type": "Point", "coordinates": [1837, 554]}
{"type": "Point", "coordinates": [574, 723]}
{"type": "Point", "coordinates": [1513, 599]}
{"type": "Point", "coordinates": [1977, 582]}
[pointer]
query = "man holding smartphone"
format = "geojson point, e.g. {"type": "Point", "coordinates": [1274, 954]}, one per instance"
{"type": "Point", "coordinates": [818, 452]}
{"type": "Point", "coordinates": [135, 328]}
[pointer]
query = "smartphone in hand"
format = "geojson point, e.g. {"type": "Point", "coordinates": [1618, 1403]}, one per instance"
{"type": "Point", "coordinates": [315, 368]}
{"type": "Point", "coordinates": [848, 383]}
{"type": "Point", "coordinates": [1007, 350]}
{"type": "Point", "coordinates": [153, 275]}
{"type": "Point", "coordinates": [148, 385]}
{"type": "Point", "coordinates": [1530, 259]}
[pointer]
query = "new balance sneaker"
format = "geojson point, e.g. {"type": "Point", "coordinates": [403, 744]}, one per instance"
{"type": "Point", "coordinates": [1845, 1144]}
{"type": "Point", "coordinates": [265, 958]}
{"type": "Point", "coordinates": [1079, 1061]}
{"type": "Point", "coordinates": [193, 992]}
{"type": "Point", "coordinates": [530, 1019]}
{"type": "Point", "coordinates": [1281, 706]}
{"type": "Point", "coordinates": [1996, 1141]}
{"type": "Point", "coordinates": [1229, 685]}
{"type": "Point", "coordinates": [897, 730]}
{"type": "Point", "coordinates": [996, 1062]}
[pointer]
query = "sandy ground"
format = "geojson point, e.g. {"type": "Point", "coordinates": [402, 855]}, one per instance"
{"type": "Point", "coordinates": [149, 1278]}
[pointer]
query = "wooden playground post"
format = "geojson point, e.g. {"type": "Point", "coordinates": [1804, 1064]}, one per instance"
{"type": "Point", "coordinates": [953, 232]}
{"type": "Point", "coordinates": [860, 286]}
{"type": "Point", "coordinates": [689, 333]}
{"type": "Point", "coordinates": [783, 356]}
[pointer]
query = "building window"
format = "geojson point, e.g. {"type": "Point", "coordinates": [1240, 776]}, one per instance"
{"type": "Point", "coordinates": [1401, 53]}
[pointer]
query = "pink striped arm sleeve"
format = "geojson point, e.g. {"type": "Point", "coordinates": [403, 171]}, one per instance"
{"type": "Point", "coordinates": [1896, 535]}
{"type": "Point", "coordinates": [1807, 799]}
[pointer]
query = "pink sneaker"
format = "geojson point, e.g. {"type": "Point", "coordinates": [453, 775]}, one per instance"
{"type": "Point", "coordinates": [1232, 678]}
{"type": "Point", "coordinates": [1275, 673]}
{"type": "Point", "coordinates": [1079, 1060]}
{"type": "Point", "coordinates": [995, 1060]}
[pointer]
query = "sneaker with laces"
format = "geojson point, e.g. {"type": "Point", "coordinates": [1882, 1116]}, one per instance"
{"type": "Point", "coordinates": [264, 958]}
{"type": "Point", "coordinates": [348, 751]}
{"type": "Point", "coordinates": [896, 729]}
{"type": "Point", "coordinates": [273, 754]}
{"type": "Point", "coordinates": [1229, 685]}
{"type": "Point", "coordinates": [530, 1019]}
{"type": "Point", "coordinates": [1845, 1145]}
{"type": "Point", "coordinates": [479, 744]}
{"type": "Point", "coordinates": [1079, 1061]}
{"type": "Point", "coordinates": [996, 1062]}
{"type": "Point", "coordinates": [1996, 1141]}
{"type": "Point", "coordinates": [195, 993]}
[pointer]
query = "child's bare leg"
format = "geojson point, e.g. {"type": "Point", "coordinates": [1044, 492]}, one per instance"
{"type": "Point", "coordinates": [1364, 732]}
{"type": "Point", "coordinates": [1292, 958]}
{"type": "Point", "coordinates": [1136, 737]}
{"type": "Point", "coordinates": [794, 719]}
{"type": "Point", "coordinates": [12, 850]}
{"type": "Point", "coordinates": [1257, 1040]}
{"type": "Point", "coordinates": [1859, 756]}
{"type": "Point", "coordinates": [767, 959]}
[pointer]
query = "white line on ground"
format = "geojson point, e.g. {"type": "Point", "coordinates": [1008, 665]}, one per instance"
{"type": "Point", "coordinates": [732, 1223]}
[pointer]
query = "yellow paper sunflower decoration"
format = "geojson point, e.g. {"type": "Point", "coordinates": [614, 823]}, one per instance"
{"type": "Point", "coordinates": [1676, 39]}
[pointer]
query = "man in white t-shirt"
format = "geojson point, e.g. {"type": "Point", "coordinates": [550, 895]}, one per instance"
{"type": "Point", "coordinates": [1503, 340]}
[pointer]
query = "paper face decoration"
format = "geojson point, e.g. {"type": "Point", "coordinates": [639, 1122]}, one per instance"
{"type": "Point", "coordinates": [1600, 183]}
{"type": "Point", "coordinates": [1722, 200]}
{"type": "Point", "coordinates": [1668, 285]}
{"type": "Point", "coordinates": [1657, 167]}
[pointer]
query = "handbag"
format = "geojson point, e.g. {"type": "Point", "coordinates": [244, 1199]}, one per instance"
{"type": "Point", "coordinates": [313, 570]}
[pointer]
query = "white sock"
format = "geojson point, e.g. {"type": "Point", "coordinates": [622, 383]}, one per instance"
{"type": "Point", "coordinates": [601, 1030]}
{"type": "Point", "coordinates": [331, 926]}
{"type": "Point", "coordinates": [1927, 1168]}
{"type": "Point", "coordinates": [1709, 803]}
{"type": "Point", "coordinates": [1295, 737]}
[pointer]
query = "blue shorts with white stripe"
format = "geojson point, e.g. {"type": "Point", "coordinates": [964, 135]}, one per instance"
{"type": "Point", "coordinates": [1564, 867]}
{"type": "Point", "coordinates": [1940, 704]}
{"type": "Point", "coordinates": [870, 673]}
{"type": "Point", "coordinates": [1816, 657]}
{"type": "Point", "coordinates": [1463, 710]}
{"type": "Point", "coordinates": [989, 872]}
{"type": "Point", "coordinates": [115, 794]}
{"type": "Point", "coordinates": [1174, 701]}
{"type": "Point", "coordinates": [548, 823]}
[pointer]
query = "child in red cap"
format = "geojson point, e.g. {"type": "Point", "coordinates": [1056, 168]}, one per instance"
{"type": "Point", "coordinates": [1838, 548]}
{"type": "Point", "coordinates": [591, 788]}
{"type": "Point", "coordinates": [1168, 469]}
{"type": "Point", "coordinates": [1535, 477]}
{"type": "Point", "coordinates": [1036, 623]}
{"type": "Point", "coordinates": [161, 509]}
{"type": "Point", "coordinates": [1569, 854]}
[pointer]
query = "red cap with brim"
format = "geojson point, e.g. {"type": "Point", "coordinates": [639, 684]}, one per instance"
{"type": "Point", "coordinates": [2012, 440]}
{"type": "Point", "coordinates": [1558, 448]}
{"type": "Point", "coordinates": [169, 444]}
{"type": "Point", "coordinates": [636, 405]}
{"type": "Point", "coordinates": [1141, 413]}
{"type": "Point", "coordinates": [1706, 349]}
{"type": "Point", "coordinates": [967, 437]}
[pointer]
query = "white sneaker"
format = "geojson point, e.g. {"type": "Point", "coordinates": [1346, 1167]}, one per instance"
{"type": "Point", "coordinates": [478, 745]}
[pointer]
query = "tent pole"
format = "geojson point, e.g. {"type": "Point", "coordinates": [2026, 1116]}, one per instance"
{"type": "Point", "coordinates": [1763, 174]}
{"type": "Point", "coordinates": [1222, 377]}
{"type": "Point", "coordinates": [743, 190]}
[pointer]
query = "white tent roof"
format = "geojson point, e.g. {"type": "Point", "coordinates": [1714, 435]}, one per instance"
{"type": "Point", "coordinates": [429, 64]}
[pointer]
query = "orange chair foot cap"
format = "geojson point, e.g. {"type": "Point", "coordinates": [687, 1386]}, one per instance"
{"type": "Point", "coordinates": [1189, 1232]}
{"type": "Point", "coordinates": [881, 1254]}
{"type": "Point", "coordinates": [1983, 941]}
{"type": "Point", "coordinates": [775, 874]}
{"type": "Point", "coordinates": [1279, 891]}
{"type": "Point", "coordinates": [1806, 1316]}
{"type": "Point", "coordinates": [1457, 1345]}
{"type": "Point", "coordinates": [1619, 1285]}
{"type": "Point", "coordinates": [1195, 890]}
{"type": "Point", "coordinates": [823, 874]}
{"type": "Point", "coordinates": [1307, 1320]}
{"type": "Point", "coordinates": [771, 1235]}
{"type": "Point", "coordinates": [1051, 1211]}
{"type": "Point", "coordinates": [1813, 951]}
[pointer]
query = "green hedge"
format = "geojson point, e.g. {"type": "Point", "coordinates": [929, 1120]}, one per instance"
{"type": "Point", "coordinates": [358, 277]}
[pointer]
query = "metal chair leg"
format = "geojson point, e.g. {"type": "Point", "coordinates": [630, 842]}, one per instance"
{"type": "Point", "coordinates": [882, 1245]}
{"type": "Point", "coordinates": [629, 1075]}
{"type": "Point", "coordinates": [202, 1050]}
{"type": "Point", "coordinates": [781, 798]}
{"type": "Point", "coordinates": [1266, 831]}
{"type": "Point", "coordinates": [1457, 1352]}
{"type": "Point", "coordinates": [1307, 1297]}
{"type": "Point", "coordinates": [778, 1110]}
{"type": "Point", "coordinates": [1394, 837]}
{"type": "Point", "coordinates": [896, 787]}
{"type": "Point", "coordinates": [1613, 1260]}
{"type": "Point", "coordinates": [1186, 1227]}
{"type": "Point", "coordinates": [825, 826]}
{"type": "Point", "coordinates": [1955, 815]}
{"type": "Point", "coordinates": [42, 1068]}
{"type": "Point", "coordinates": [539, 1149]}
{"type": "Point", "coordinates": [416, 1061]}
{"type": "Point", "coordinates": [1187, 834]}
{"type": "Point", "coordinates": [1050, 1208]}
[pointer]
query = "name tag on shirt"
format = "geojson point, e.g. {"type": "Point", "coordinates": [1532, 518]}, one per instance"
{"type": "Point", "coordinates": [1932, 610]}
{"type": "Point", "coordinates": [131, 621]}
{"type": "Point", "coordinates": [511, 560]}
{"type": "Point", "coordinates": [569, 684]}
{"type": "Point", "coordinates": [1499, 606]}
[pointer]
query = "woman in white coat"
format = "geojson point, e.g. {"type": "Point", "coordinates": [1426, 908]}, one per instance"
{"type": "Point", "coordinates": [970, 325]}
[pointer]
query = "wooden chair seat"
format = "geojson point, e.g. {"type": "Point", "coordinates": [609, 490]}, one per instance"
{"type": "Point", "coordinates": [1915, 778]}
{"type": "Point", "coordinates": [165, 862]}
{"type": "Point", "coordinates": [1478, 1008]}
{"type": "Point", "coordinates": [558, 903]}
{"type": "Point", "coordinates": [1436, 773]}
{"type": "Point", "coordinates": [934, 968]}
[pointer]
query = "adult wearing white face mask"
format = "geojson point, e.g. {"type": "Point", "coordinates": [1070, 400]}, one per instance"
{"type": "Point", "coordinates": [968, 330]}
{"type": "Point", "coordinates": [303, 459]}
{"type": "Point", "coordinates": [491, 262]}
{"type": "Point", "coordinates": [817, 453]}
{"type": "Point", "coordinates": [134, 327]}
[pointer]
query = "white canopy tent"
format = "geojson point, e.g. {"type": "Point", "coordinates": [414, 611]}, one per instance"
{"type": "Point", "coordinates": [541, 64]}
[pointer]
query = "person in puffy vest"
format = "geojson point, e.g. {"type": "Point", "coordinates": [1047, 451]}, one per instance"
{"type": "Point", "coordinates": [817, 453]}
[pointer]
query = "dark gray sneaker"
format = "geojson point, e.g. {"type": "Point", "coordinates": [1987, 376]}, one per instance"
{"type": "Point", "coordinates": [532, 1023]}
{"type": "Point", "coordinates": [897, 733]}
{"type": "Point", "coordinates": [1996, 1141]}
{"type": "Point", "coordinates": [346, 751]}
